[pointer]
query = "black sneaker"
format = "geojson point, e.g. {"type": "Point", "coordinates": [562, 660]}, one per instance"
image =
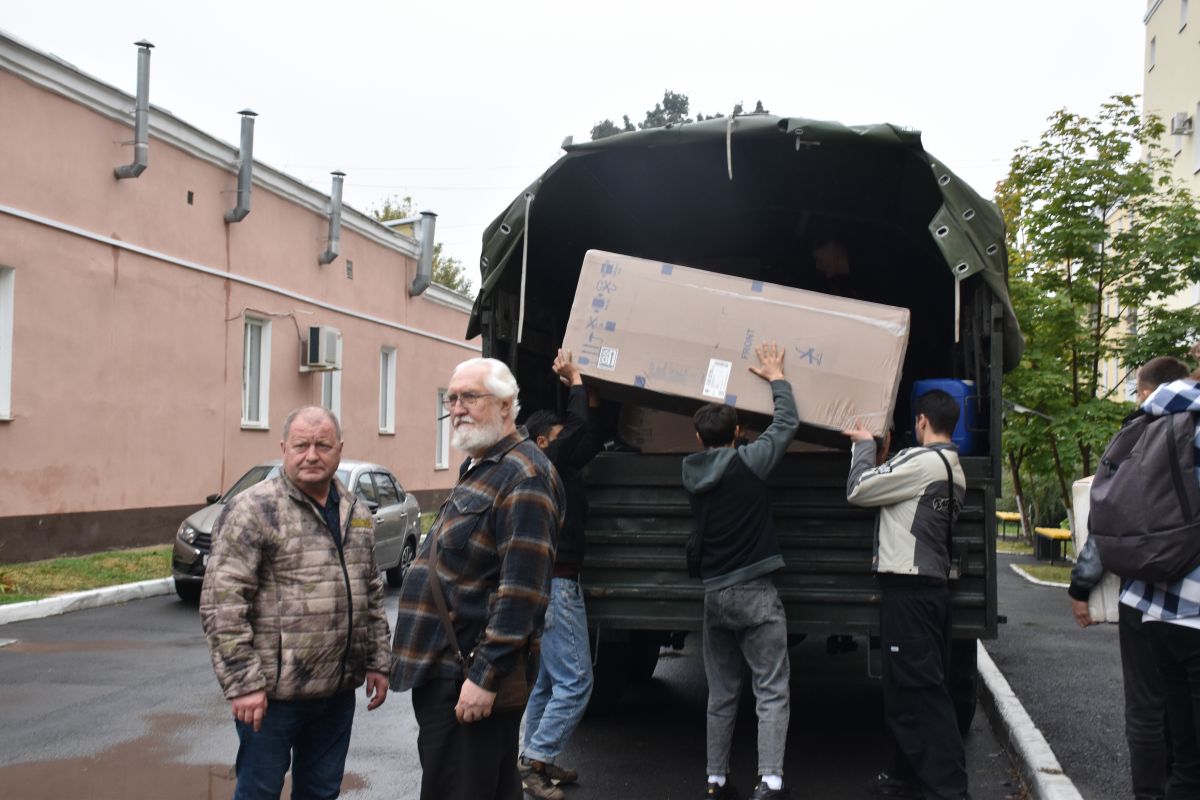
{"type": "Point", "coordinates": [886, 785]}
{"type": "Point", "coordinates": [764, 792]}
{"type": "Point", "coordinates": [715, 791]}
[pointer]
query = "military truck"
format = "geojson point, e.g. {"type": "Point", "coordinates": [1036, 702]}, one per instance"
{"type": "Point", "coordinates": [753, 196]}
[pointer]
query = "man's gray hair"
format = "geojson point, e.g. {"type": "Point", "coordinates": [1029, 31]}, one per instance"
{"type": "Point", "coordinates": [499, 380]}
{"type": "Point", "coordinates": [329, 415]}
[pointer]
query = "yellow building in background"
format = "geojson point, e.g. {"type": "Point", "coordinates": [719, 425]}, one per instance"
{"type": "Point", "coordinates": [1171, 91]}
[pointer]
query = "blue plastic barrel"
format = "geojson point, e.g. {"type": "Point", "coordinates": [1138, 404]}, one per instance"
{"type": "Point", "coordinates": [965, 433]}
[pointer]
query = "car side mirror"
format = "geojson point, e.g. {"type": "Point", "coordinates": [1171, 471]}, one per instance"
{"type": "Point", "coordinates": [371, 504]}
{"type": "Point", "coordinates": [212, 498]}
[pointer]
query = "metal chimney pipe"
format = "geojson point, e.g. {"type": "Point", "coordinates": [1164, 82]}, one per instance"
{"type": "Point", "coordinates": [141, 117]}
{"type": "Point", "coordinates": [424, 275]}
{"type": "Point", "coordinates": [245, 168]}
{"type": "Point", "coordinates": [335, 219]}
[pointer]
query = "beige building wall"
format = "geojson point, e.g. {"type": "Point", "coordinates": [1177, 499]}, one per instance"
{"type": "Point", "coordinates": [123, 314]}
{"type": "Point", "coordinates": [1172, 92]}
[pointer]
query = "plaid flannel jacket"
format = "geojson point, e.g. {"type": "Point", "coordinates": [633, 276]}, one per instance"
{"type": "Point", "coordinates": [496, 538]}
{"type": "Point", "coordinates": [1180, 599]}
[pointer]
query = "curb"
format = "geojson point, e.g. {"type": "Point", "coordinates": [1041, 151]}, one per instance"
{"type": "Point", "coordinates": [77, 601]}
{"type": "Point", "coordinates": [1039, 766]}
{"type": "Point", "coordinates": [1026, 576]}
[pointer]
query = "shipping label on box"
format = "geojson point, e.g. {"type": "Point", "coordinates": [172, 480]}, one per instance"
{"type": "Point", "coordinates": [689, 334]}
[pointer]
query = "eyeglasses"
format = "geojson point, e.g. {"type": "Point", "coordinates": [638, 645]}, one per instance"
{"type": "Point", "coordinates": [469, 399]}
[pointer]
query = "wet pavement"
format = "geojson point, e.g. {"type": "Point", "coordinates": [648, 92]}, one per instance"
{"type": "Point", "coordinates": [121, 702]}
{"type": "Point", "coordinates": [1068, 679]}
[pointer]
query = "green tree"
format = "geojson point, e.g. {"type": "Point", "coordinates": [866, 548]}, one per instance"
{"type": "Point", "coordinates": [672, 110]}
{"type": "Point", "coordinates": [1099, 236]}
{"type": "Point", "coordinates": [447, 270]}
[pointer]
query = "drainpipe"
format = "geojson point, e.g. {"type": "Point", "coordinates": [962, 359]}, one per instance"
{"type": "Point", "coordinates": [424, 225]}
{"type": "Point", "coordinates": [141, 117]}
{"type": "Point", "coordinates": [245, 168]}
{"type": "Point", "coordinates": [335, 219]}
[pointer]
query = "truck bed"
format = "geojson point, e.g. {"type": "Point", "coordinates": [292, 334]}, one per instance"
{"type": "Point", "coordinates": [636, 577]}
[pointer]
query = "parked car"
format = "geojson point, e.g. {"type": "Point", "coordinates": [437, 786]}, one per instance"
{"type": "Point", "coordinates": [396, 512]}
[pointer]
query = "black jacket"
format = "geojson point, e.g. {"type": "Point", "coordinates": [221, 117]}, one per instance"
{"type": "Point", "coordinates": [727, 489]}
{"type": "Point", "coordinates": [576, 445]}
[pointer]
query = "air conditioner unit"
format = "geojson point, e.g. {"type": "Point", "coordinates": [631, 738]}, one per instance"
{"type": "Point", "coordinates": [1181, 124]}
{"type": "Point", "coordinates": [323, 350]}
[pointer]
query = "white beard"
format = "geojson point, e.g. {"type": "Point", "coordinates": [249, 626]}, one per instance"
{"type": "Point", "coordinates": [474, 437]}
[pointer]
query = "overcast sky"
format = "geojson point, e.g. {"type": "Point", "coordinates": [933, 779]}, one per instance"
{"type": "Point", "coordinates": [462, 104]}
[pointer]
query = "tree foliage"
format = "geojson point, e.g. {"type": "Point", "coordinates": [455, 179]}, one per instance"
{"type": "Point", "coordinates": [447, 270]}
{"type": "Point", "coordinates": [1099, 237]}
{"type": "Point", "coordinates": [673, 109]}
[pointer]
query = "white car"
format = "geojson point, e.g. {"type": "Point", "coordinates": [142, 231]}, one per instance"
{"type": "Point", "coordinates": [396, 513]}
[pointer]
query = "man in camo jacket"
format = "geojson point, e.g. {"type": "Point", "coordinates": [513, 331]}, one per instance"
{"type": "Point", "coordinates": [292, 607]}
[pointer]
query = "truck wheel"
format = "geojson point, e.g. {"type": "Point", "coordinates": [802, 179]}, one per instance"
{"type": "Point", "coordinates": [964, 679]}
{"type": "Point", "coordinates": [608, 677]}
{"type": "Point", "coordinates": [641, 655]}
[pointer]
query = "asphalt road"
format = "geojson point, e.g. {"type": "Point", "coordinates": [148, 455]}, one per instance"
{"type": "Point", "coordinates": [1068, 679]}
{"type": "Point", "coordinates": [120, 702]}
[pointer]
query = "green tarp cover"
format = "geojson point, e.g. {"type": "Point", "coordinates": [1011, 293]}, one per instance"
{"type": "Point", "coordinates": [781, 167]}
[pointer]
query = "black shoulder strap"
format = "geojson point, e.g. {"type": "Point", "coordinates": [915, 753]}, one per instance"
{"type": "Point", "coordinates": [949, 505]}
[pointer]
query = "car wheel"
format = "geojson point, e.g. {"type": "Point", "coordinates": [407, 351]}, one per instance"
{"type": "Point", "coordinates": [188, 592]}
{"type": "Point", "coordinates": [395, 575]}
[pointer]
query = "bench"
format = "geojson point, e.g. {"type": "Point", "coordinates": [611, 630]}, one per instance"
{"type": "Point", "coordinates": [1050, 542]}
{"type": "Point", "coordinates": [1008, 518]}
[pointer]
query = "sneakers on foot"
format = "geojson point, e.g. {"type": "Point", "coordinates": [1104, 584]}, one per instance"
{"type": "Point", "coordinates": [764, 792]}
{"type": "Point", "coordinates": [561, 774]}
{"type": "Point", "coordinates": [715, 791]}
{"type": "Point", "coordinates": [886, 785]}
{"type": "Point", "coordinates": [536, 782]}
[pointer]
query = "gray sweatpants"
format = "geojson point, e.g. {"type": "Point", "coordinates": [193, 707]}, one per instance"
{"type": "Point", "coordinates": [746, 623]}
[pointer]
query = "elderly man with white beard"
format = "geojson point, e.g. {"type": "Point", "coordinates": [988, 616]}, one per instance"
{"type": "Point", "coordinates": [487, 563]}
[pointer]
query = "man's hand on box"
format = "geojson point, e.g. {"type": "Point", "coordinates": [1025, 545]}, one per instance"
{"type": "Point", "coordinates": [857, 433]}
{"type": "Point", "coordinates": [770, 361]}
{"type": "Point", "coordinates": [565, 369]}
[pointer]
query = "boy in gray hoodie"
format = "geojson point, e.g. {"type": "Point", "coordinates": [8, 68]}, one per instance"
{"type": "Point", "coordinates": [743, 616]}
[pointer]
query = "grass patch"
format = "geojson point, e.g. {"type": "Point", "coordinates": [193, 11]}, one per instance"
{"type": "Point", "coordinates": [1045, 572]}
{"type": "Point", "coordinates": [1014, 546]}
{"type": "Point", "coordinates": [427, 519]}
{"type": "Point", "coordinates": [37, 579]}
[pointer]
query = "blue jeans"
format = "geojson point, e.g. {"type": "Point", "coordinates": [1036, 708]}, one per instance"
{"type": "Point", "coordinates": [564, 681]}
{"type": "Point", "coordinates": [745, 624]}
{"type": "Point", "coordinates": [316, 732]}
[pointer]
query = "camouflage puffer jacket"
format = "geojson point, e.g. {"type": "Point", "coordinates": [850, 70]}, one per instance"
{"type": "Point", "coordinates": [282, 609]}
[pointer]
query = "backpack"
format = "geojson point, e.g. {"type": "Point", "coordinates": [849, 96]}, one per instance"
{"type": "Point", "coordinates": [1145, 500]}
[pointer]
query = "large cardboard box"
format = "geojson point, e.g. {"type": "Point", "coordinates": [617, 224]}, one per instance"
{"type": "Point", "coordinates": [673, 337]}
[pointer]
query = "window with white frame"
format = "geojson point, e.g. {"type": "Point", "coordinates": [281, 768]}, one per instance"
{"type": "Point", "coordinates": [256, 373]}
{"type": "Point", "coordinates": [331, 386]}
{"type": "Point", "coordinates": [387, 390]}
{"type": "Point", "coordinates": [441, 453]}
{"type": "Point", "coordinates": [7, 281]}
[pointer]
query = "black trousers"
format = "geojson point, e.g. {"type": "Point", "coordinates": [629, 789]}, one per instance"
{"type": "Point", "coordinates": [914, 632]}
{"type": "Point", "coordinates": [1177, 653]}
{"type": "Point", "coordinates": [1146, 729]}
{"type": "Point", "coordinates": [475, 761]}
